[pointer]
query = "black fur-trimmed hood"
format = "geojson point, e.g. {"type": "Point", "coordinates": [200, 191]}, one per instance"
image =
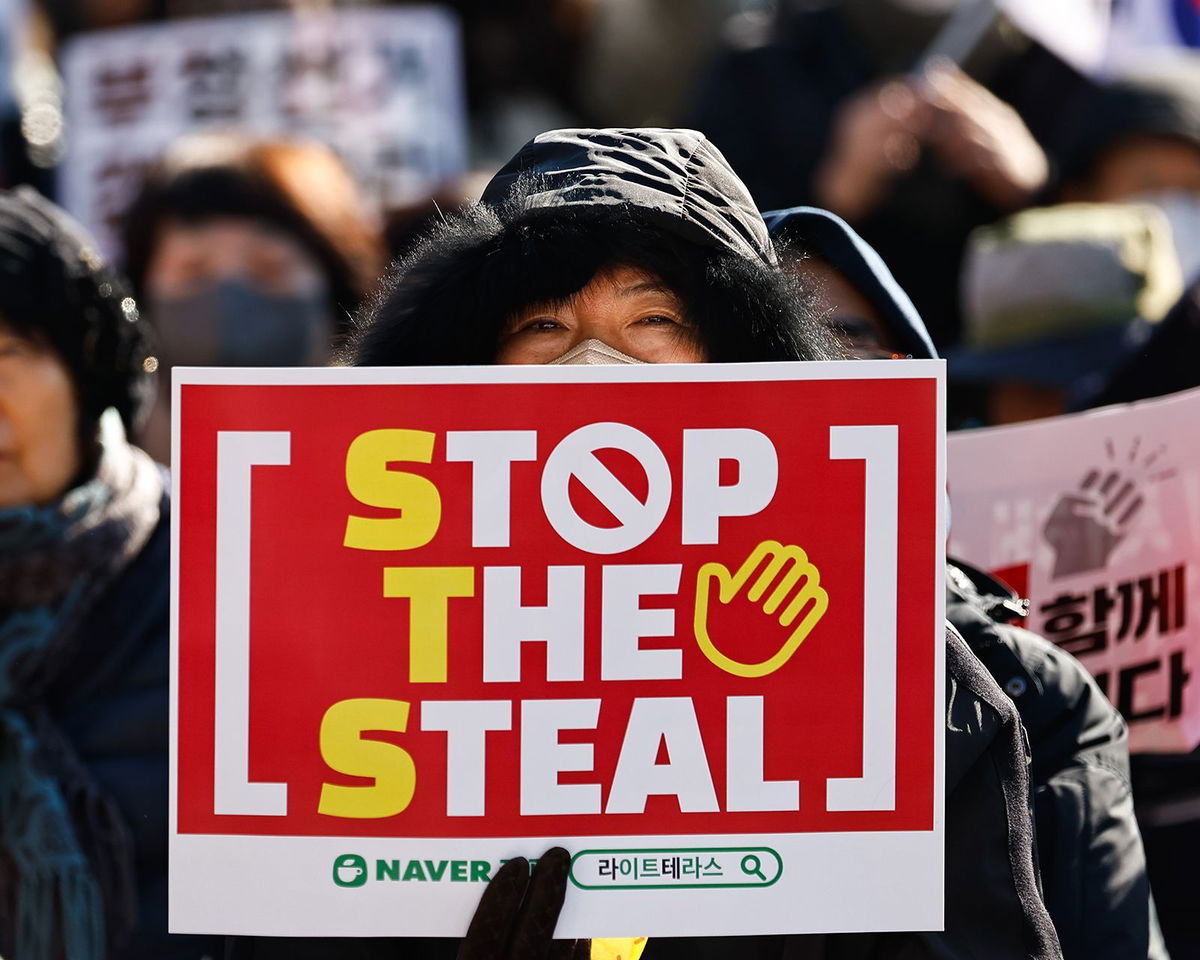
{"type": "Point", "coordinates": [573, 202]}
{"type": "Point", "coordinates": [677, 178]}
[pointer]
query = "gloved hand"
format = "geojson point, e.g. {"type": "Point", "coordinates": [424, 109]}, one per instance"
{"type": "Point", "coordinates": [517, 913]}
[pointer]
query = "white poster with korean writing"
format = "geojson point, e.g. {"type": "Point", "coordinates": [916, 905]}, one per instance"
{"type": "Point", "coordinates": [383, 87]}
{"type": "Point", "coordinates": [1095, 517]}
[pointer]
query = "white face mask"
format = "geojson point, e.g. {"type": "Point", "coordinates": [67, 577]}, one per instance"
{"type": "Point", "coordinates": [1182, 208]}
{"type": "Point", "coordinates": [594, 351]}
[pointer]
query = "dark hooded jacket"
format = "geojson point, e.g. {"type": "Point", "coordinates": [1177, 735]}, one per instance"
{"type": "Point", "coordinates": [1165, 364]}
{"type": "Point", "coordinates": [1089, 847]}
{"type": "Point", "coordinates": [678, 182]}
{"type": "Point", "coordinates": [821, 233]}
{"type": "Point", "coordinates": [1088, 841]}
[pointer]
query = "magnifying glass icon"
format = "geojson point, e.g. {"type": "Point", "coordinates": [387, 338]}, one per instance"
{"type": "Point", "coordinates": [752, 866]}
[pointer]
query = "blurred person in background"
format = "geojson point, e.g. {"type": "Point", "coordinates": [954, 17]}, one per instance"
{"type": "Point", "coordinates": [31, 99]}
{"type": "Point", "coordinates": [1138, 133]}
{"type": "Point", "coordinates": [834, 106]}
{"type": "Point", "coordinates": [247, 252]}
{"type": "Point", "coordinates": [640, 59]}
{"type": "Point", "coordinates": [521, 61]}
{"type": "Point", "coordinates": [1138, 139]}
{"type": "Point", "coordinates": [1088, 841]}
{"type": "Point", "coordinates": [1065, 310]}
{"type": "Point", "coordinates": [855, 294]}
{"type": "Point", "coordinates": [1055, 299]}
{"type": "Point", "coordinates": [84, 652]}
{"type": "Point", "coordinates": [1165, 363]}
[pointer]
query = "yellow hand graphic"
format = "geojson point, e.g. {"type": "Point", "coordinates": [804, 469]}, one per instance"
{"type": "Point", "coordinates": [789, 569]}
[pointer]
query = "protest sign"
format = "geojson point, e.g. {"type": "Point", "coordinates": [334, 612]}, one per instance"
{"type": "Point", "coordinates": [383, 87]}
{"type": "Point", "coordinates": [1095, 517]}
{"type": "Point", "coordinates": [685, 620]}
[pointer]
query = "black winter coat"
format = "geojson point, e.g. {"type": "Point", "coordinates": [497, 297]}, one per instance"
{"type": "Point", "coordinates": [1090, 850]}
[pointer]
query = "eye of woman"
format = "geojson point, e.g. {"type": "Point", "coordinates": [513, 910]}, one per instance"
{"type": "Point", "coordinates": [663, 320]}
{"type": "Point", "coordinates": [540, 323]}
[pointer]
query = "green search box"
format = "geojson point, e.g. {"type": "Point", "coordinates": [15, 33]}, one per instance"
{"type": "Point", "coordinates": [658, 868]}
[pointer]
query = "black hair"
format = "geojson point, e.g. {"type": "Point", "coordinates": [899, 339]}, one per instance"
{"type": "Point", "coordinates": [298, 188]}
{"type": "Point", "coordinates": [1162, 102]}
{"type": "Point", "coordinates": [56, 290]}
{"type": "Point", "coordinates": [449, 299]}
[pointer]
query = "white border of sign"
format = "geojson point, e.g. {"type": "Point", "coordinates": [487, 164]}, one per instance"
{"type": "Point", "coordinates": [849, 882]}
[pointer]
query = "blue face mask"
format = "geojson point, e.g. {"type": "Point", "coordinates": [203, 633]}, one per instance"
{"type": "Point", "coordinates": [234, 324]}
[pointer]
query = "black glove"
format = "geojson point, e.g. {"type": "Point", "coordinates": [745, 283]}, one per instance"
{"type": "Point", "coordinates": [517, 913]}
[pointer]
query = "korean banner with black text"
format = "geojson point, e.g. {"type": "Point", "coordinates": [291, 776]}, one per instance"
{"type": "Point", "coordinates": [1095, 517]}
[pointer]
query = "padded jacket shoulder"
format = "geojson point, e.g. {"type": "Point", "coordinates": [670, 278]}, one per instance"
{"type": "Point", "coordinates": [1090, 850]}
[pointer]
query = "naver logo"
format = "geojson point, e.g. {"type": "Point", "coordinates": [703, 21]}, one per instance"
{"type": "Point", "coordinates": [349, 870]}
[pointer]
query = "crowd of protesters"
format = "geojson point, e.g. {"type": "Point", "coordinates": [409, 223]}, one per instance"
{"type": "Point", "coordinates": [1037, 227]}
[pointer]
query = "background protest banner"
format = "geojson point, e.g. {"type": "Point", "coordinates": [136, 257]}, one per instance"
{"type": "Point", "coordinates": [685, 620]}
{"type": "Point", "coordinates": [383, 87]}
{"type": "Point", "coordinates": [1095, 518]}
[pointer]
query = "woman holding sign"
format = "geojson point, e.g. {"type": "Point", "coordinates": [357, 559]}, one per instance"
{"type": "Point", "coordinates": [642, 246]}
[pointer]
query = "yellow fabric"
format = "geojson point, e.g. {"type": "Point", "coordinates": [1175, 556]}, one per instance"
{"type": "Point", "coordinates": [618, 948]}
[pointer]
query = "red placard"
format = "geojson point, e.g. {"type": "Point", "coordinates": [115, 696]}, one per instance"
{"type": "Point", "coordinates": [558, 526]}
